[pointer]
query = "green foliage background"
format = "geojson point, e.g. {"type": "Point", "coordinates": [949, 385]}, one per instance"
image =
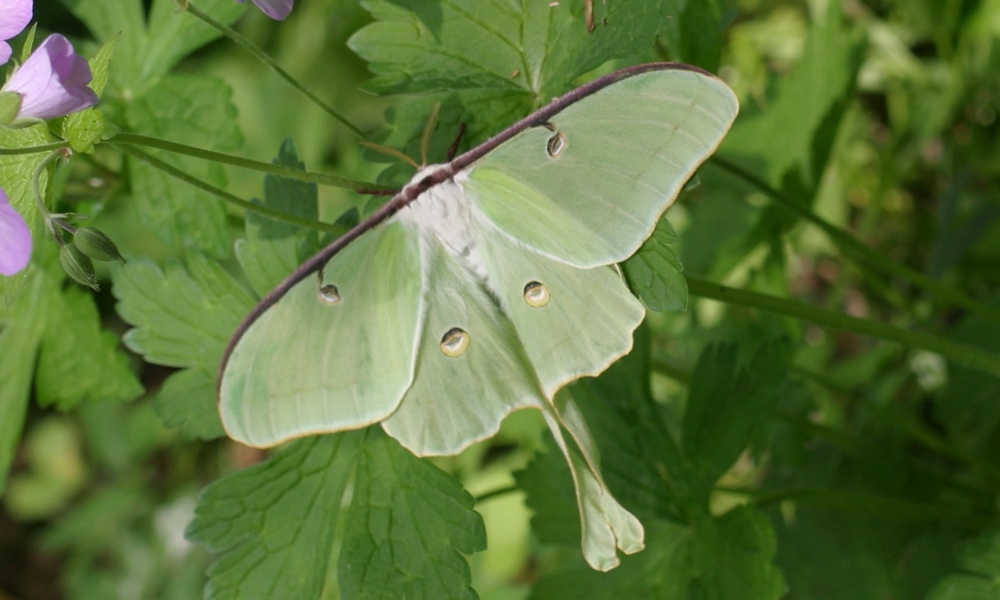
{"type": "Point", "coordinates": [769, 449]}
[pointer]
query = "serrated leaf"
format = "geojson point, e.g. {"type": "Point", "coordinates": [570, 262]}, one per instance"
{"type": "Point", "coordinates": [273, 249]}
{"type": "Point", "coordinates": [641, 461]}
{"type": "Point", "coordinates": [476, 114]}
{"type": "Point", "coordinates": [192, 110]}
{"type": "Point", "coordinates": [408, 526]}
{"type": "Point", "coordinates": [728, 401]}
{"type": "Point", "coordinates": [274, 522]}
{"type": "Point", "coordinates": [16, 174]}
{"type": "Point", "coordinates": [100, 65]}
{"type": "Point", "coordinates": [536, 48]}
{"type": "Point", "coordinates": [150, 48]}
{"type": "Point", "coordinates": [549, 489]}
{"type": "Point", "coordinates": [79, 361]}
{"type": "Point", "coordinates": [183, 317]}
{"type": "Point", "coordinates": [82, 130]}
{"type": "Point", "coordinates": [695, 36]}
{"type": "Point", "coordinates": [716, 559]}
{"type": "Point", "coordinates": [174, 34]}
{"type": "Point", "coordinates": [187, 400]}
{"type": "Point", "coordinates": [654, 272]}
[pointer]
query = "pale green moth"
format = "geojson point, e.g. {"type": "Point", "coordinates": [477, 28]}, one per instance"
{"type": "Point", "coordinates": [485, 286]}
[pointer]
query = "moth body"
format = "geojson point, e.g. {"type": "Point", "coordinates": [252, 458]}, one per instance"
{"type": "Point", "coordinates": [442, 214]}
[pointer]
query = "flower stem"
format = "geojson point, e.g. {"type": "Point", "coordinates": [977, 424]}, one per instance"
{"type": "Point", "coordinates": [51, 220]}
{"type": "Point", "coordinates": [361, 187]}
{"type": "Point", "coordinates": [224, 195]}
{"type": "Point", "coordinates": [828, 319]}
{"type": "Point", "coordinates": [33, 149]}
{"type": "Point", "coordinates": [268, 61]}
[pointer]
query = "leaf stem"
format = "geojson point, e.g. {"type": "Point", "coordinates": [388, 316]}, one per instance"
{"type": "Point", "coordinates": [269, 62]}
{"type": "Point", "coordinates": [224, 195]}
{"type": "Point", "coordinates": [510, 489]}
{"type": "Point", "coordinates": [861, 254]}
{"type": "Point", "coordinates": [959, 353]}
{"type": "Point", "coordinates": [361, 187]}
{"type": "Point", "coordinates": [34, 149]}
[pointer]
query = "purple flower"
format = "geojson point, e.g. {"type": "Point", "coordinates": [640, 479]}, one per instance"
{"type": "Point", "coordinates": [14, 15]}
{"type": "Point", "coordinates": [15, 239]}
{"type": "Point", "coordinates": [52, 82]}
{"type": "Point", "coordinates": [276, 9]}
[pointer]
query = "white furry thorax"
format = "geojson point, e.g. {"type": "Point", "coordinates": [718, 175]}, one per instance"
{"type": "Point", "coordinates": [443, 214]}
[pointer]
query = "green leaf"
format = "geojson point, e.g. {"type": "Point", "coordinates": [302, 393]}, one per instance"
{"type": "Point", "coordinates": [273, 249]}
{"type": "Point", "coordinates": [274, 522]}
{"type": "Point", "coordinates": [477, 114]}
{"type": "Point", "coordinates": [22, 329]}
{"type": "Point", "coordinates": [717, 559]}
{"type": "Point", "coordinates": [16, 174]}
{"type": "Point", "coordinates": [79, 361]}
{"type": "Point", "coordinates": [85, 128]}
{"type": "Point", "coordinates": [979, 561]}
{"type": "Point", "coordinates": [82, 130]}
{"type": "Point", "coordinates": [191, 110]}
{"type": "Point", "coordinates": [546, 480]}
{"type": "Point", "coordinates": [802, 102]}
{"type": "Point", "coordinates": [654, 272]}
{"type": "Point", "coordinates": [728, 401]}
{"type": "Point", "coordinates": [149, 50]}
{"type": "Point", "coordinates": [183, 317]}
{"type": "Point", "coordinates": [696, 35]}
{"type": "Point", "coordinates": [407, 528]}
{"type": "Point", "coordinates": [100, 64]}
{"type": "Point", "coordinates": [535, 49]}
{"type": "Point", "coordinates": [187, 400]}
{"type": "Point", "coordinates": [640, 459]}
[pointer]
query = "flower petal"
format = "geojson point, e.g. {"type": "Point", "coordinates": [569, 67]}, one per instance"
{"type": "Point", "coordinates": [15, 239]}
{"type": "Point", "coordinates": [276, 9]}
{"type": "Point", "coordinates": [52, 82]}
{"type": "Point", "coordinates": [14, 16]}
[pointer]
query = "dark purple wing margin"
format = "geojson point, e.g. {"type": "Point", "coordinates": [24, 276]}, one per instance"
{"type": "Point", "coordinates": [446, 172]}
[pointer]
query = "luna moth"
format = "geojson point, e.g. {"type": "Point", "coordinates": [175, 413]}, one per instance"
{"type": "Point", "coordinates": [485, 286]}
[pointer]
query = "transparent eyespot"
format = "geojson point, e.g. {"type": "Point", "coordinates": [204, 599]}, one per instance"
{"type": "Point", "coordinates": [329, 294]}
{"type": "Point", "coordinates": [536, 294]}
{"type": "Point", "coordinates": [455, 342]}
{"type": "Point", "coordinates": [556, 144]}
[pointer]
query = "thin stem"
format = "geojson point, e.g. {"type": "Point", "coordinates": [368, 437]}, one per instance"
{"type": "Point", "coordinates": [390, 152]}
{"type": "Point", "coordinates": [268, 61]}
{"type": "Point", "coordinates": [224, 195]}
{"type": "Point", "coordinates": [51, 220]}
{"type": "Point", "coordinates": [960, 353]}
{"type": "Point", "coordinates": [34, 149]}
{"type": "Point", "coordinates": [511, 489]}
{"type": "Point", "coordinates": [362, 187]}
{"type": "Point", "coordinates": [861, 254]}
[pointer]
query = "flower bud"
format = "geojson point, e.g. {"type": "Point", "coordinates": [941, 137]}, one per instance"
{"type": "Point", "coordinates": [78, 266]}
{"type": "Point", "coordinates": [96, 245]}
